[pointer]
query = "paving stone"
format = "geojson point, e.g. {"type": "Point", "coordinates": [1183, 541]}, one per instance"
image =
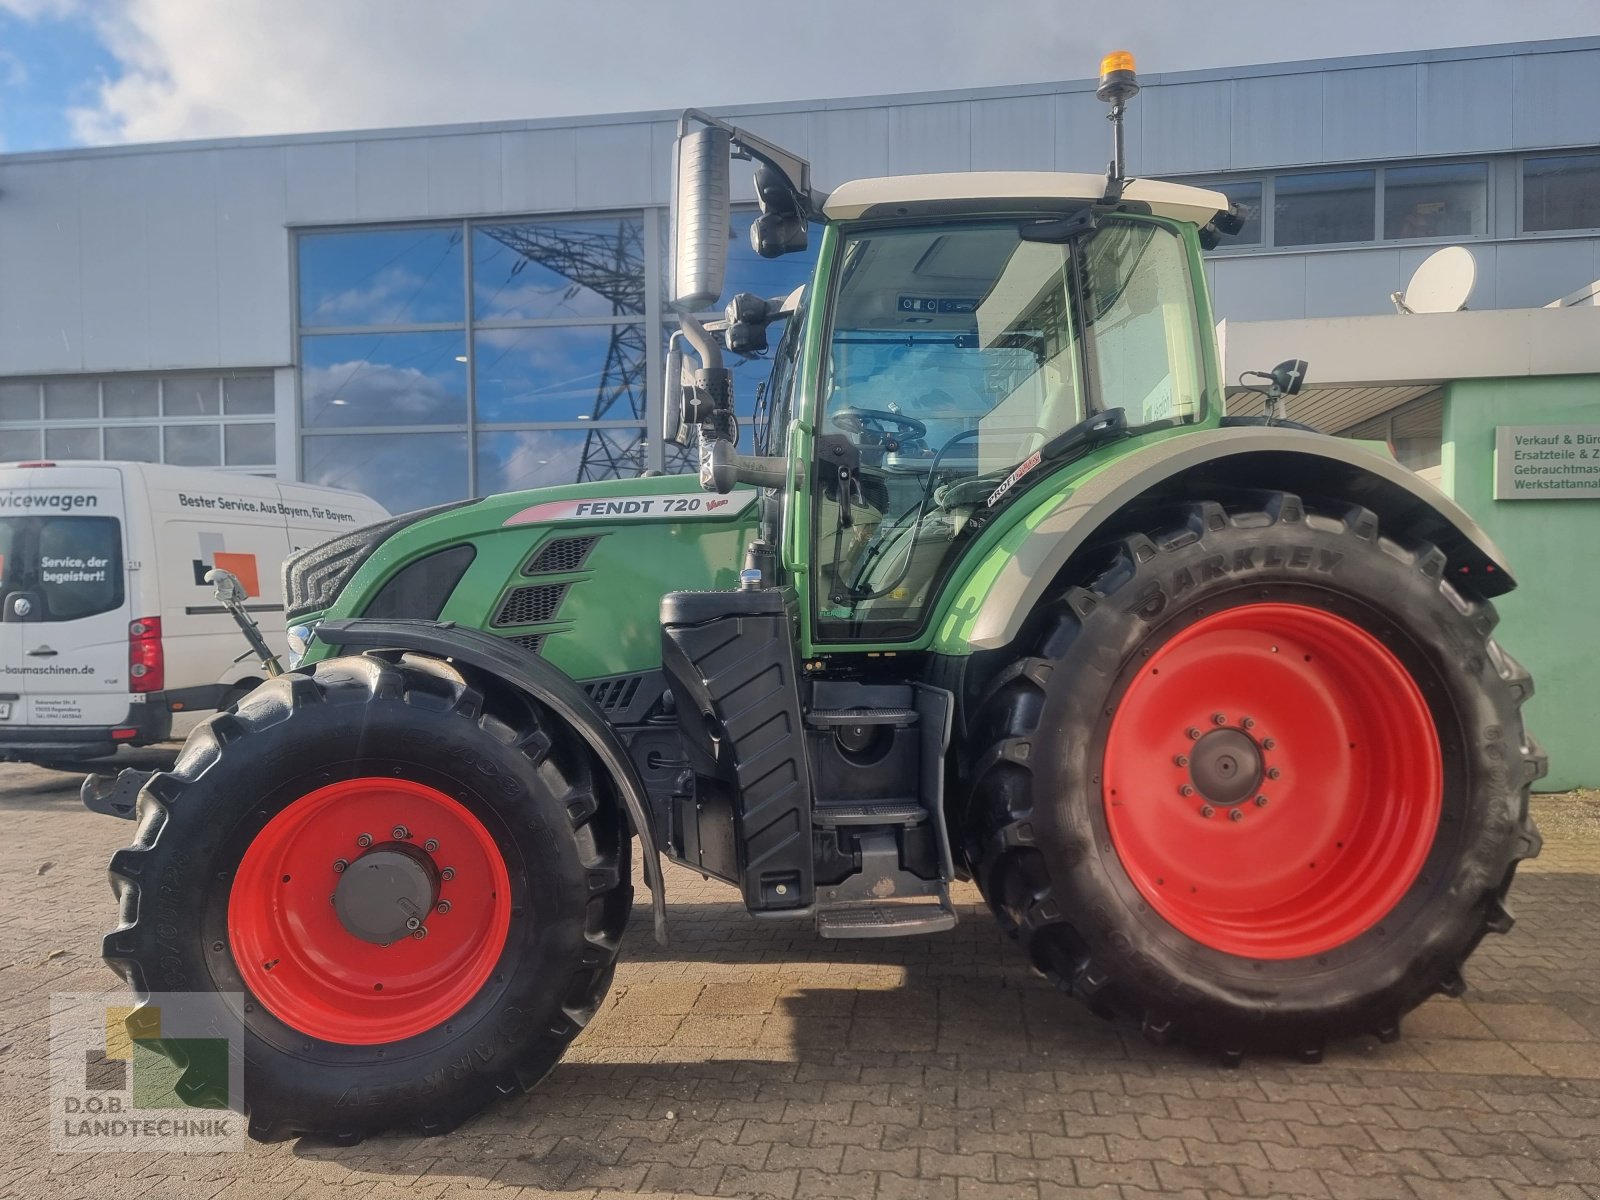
{"type": "Point", "coordinates": [941, 1068]}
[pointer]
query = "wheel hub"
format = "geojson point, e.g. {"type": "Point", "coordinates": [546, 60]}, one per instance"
{"type": "Point", "coordinates": [1226, 767]}
{"type": "Point", "coordinates": [386, 893]}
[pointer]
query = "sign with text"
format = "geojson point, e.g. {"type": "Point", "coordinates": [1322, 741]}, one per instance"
{"type": "Point", "coordinates": [1546, 462]}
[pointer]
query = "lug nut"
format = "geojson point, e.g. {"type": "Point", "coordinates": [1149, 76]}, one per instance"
{"type": "Point", "coordinates": [1218, 719]}
{"type": "Point", "coordinates": [400, 833]}
{"type": "Point", "coordinates": [413, 922]}
{"type": "Point", "coordinates": [1269, 744]}
{"type": "Point", "coordinates": [1273, 772]}
{"type": "Point", "coordinates": [430, 845]}
{"type": "Point", "coordinates": [1182, 760]}
{"type": "Point", "coordinates": [1261, 801]}
{"type": "Point", "coordinates": [448, 873]}
{"type": "Point", "coordinates": [364, 840]}
{"type": "Point", "coordinates": [442, 907]}
{"type": "Point", "coordinates": [1194, 735]}
{"type": "Point", "coordinates": [1248, 722]}
{"type": "Point", "coordinates": [339, 866]}
{"type": "Point", "coordinates": [1206, 810]}
{"type": "Point", "coordinates": [1236, 814]}
{"type": "Point", "coordinates": [1186, 790]}
{"type": "Point", "coordinates": [420, 932]}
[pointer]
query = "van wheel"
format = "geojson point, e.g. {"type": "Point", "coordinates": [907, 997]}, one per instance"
{"type": "Point", "coordinates": [410, 886]}
{"type": "Point", "coordinates": [1260, 783]}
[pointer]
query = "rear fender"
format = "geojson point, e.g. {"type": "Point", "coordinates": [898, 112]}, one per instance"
{"type": "Point", "coordinates": [536, 678]}
{"type": "Point", "coordinates": [1210, 465]}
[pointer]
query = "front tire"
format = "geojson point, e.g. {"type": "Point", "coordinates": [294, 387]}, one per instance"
{"type": "Point", "coordinates": [486, 944]}
{"type": "Point", "coordinates": [1263, 782]}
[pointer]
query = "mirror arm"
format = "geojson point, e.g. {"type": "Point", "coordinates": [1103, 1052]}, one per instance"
{"type": "Point", "coordinates": [746, 145]}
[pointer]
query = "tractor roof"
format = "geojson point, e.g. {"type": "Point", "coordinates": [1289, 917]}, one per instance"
{"type": "Point", "coordinates": [956, 191]}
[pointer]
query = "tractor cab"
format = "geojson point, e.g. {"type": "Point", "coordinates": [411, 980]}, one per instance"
{"type": "Point", "coordinates": [964, 335]}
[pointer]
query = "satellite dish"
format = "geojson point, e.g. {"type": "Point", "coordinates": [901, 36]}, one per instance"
{"type": "Point", "coordinates": [1440, 284]}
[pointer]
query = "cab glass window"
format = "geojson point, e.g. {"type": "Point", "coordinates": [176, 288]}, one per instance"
{"type": "Point", "coordinates": [956, 354]}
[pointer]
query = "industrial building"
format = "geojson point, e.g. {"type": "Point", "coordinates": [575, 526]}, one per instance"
{"type": "Point", "coordinates": [424, 314]}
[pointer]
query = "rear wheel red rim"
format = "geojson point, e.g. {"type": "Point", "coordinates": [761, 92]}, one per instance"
{"type": "Point", "coordinates": [309, 971]}
{"type": "Point", "coordinates": [1272, 781]}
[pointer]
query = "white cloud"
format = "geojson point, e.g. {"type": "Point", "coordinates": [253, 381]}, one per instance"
{"type": "Point", "coordinates": [233, 67]}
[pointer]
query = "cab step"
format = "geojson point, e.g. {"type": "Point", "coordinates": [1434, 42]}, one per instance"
{"type": "Point", "coordinates": [829, 718]}
{"type": "Point", "coordinates": [872, 812]}
{"type": "Point", "coordinates": [873, 919]}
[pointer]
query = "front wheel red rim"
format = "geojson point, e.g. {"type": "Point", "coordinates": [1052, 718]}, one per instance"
{"type": "Point", "coordinates": [302, 963]}
{"type": "Point", "coordinates": [1272, 781]}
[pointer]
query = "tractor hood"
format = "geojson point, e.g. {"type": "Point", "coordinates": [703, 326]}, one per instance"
{"type": "Point", "coordinates": [573, 573]}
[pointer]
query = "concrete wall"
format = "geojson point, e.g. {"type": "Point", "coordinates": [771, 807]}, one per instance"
{"type": "Point", "coordinates": [1548, 623]}
{"type": "Point", "coordinates": [177, 256]}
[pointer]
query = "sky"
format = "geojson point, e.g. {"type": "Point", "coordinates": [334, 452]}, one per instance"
{"type": "Point", "coordinates": [89, 72]}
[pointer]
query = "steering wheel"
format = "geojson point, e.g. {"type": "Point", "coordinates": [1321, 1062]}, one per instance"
{"type": "Point", "coordinates": [875, 420]}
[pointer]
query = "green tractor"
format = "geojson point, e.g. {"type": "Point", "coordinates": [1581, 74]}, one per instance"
{"type": "Point", "coordinates": [1208, 709]}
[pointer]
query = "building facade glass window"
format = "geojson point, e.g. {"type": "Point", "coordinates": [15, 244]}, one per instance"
{"type": "Point", "coordinates": [494, 355]}
{"type": "Point", "coordinates": [1561, 192]}
{"type": "Point", "coordinates": [1322, 207]}
{"type": "Point", "coordinates": [1436, 201]}
{"type": "Point", "coordinates": [1245, 195]}
{"type": "Point", "coordinates": [186, 419]}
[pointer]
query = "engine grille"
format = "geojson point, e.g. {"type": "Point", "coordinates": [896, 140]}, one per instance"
{"type": "Point", "coordinates": [563, 554]}
{"type": "Point", "coordinates": [531, 605]}
{"type": "Point", "coordinates": [531, 642]}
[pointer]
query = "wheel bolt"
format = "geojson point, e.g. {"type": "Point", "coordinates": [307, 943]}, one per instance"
{"type": "Point", "coordinates": [1182, 760]}
{"type": "Point", "coordinates": [430, 845]}
{"type": "Point", "coordinates": [1269, 744]}
{"type": "Point", "coordinates": [420, 932]}
{"type": "Point", "coordinates": [400, 833]}
{"type": "Point", "coordinates": [1248, 722]}
{"type": "Point", "coordinates": [1186, 790]}
{"type": "Point", "coordinates": [1194, 735]}
{"type": "Point", "coordinates": [339, 866]}
{"type": "Point", "coordinates": [1218, 719]}
{"type": "Point", "coordinates": [1236, 814]}
{"type": "Point", "coordinates": [448, 873]}
{"type": "Point", "coordinates": [1261, 801]}
{"type": "Point", "coordinates": [443, 907]}
{"type": "Point", "coordinates": [364, 840]}
{"type": "Point", "coordinates": [1206, 810]}
{"type": "Point", "coordinates": [413, 922]}
{"type": "Point", "coordinates": [1273, 772]}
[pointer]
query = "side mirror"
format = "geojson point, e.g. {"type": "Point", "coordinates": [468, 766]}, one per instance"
{"type": "Point", "coordinates": [701, 213]}
{"type": "Point", "coordinates": [1289, 376]}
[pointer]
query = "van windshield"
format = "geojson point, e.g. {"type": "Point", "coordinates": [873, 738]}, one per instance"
{"type": "Point", "coordinates": [66, 568]}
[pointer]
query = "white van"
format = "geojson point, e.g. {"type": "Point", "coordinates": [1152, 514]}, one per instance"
{"type": "Point", "coordinates": [109, 633]}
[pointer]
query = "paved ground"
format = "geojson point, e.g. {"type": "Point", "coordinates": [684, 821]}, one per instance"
{"type": "Point", "coordinates": [754, 1059]}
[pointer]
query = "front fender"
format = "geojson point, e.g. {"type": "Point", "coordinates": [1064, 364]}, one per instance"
{"type": "Point", "coordinates": [538, 679]}
{"type": "Point", "coordinates": [1022, 569]}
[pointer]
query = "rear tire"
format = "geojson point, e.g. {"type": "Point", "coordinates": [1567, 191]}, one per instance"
{"type": "Point", "coordinates": [1123, 826]}
{"type": "Point", "coordinates": [235, 861]}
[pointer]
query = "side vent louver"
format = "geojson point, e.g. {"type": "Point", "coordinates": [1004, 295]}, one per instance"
{"type": "Point", "coordinates": [615, 694]}
{"type": "Point", "coordinates": [528, 641]}
{"type": "Point", "coordinates": [531, 605]}
{"type": "Point", "coordinates": [563, 554]}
